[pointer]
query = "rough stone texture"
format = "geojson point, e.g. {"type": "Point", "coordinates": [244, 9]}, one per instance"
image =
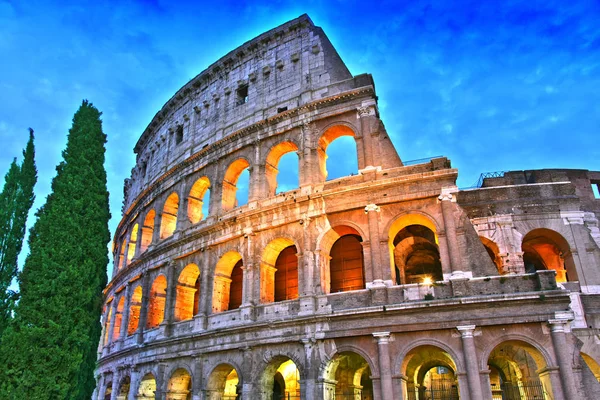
{"type": "Point", "coordinates": [200, 326]}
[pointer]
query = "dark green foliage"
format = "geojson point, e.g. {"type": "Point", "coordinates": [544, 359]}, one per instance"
{"type": "Point", "coordinates": [49, 352]}
{"type": "Point", "coordinates": [16, 199]}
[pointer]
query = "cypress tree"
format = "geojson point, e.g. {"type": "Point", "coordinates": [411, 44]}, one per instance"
{"type": "Point", "coordinates": [16, 199]}
{"type": "Point", "coordinates": [49, 351]}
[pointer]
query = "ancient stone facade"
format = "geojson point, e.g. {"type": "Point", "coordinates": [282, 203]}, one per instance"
{"type": "Point", "coordinates": [388, 284]}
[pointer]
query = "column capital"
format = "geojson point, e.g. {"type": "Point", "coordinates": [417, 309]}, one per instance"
{"type": "Point", "coordinates": [466, 331]}
{"type": "Point", "coordinates": [447, 193]}
{"type": "Point", "coordinates": [372, 207]}
{"type": "Point", "coordinates": [382, 337]}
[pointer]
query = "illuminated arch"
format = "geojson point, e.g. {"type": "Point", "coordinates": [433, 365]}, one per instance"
{"type": "Point", "coordinates": [147, 230]}
{"type": "Point", "coordinates": [339, 274]}
{"type": "Point", "coordinates": [329, 135]}
{"type": "Point", "coordinates": [228, 283]}
{"type": "Point", "coordinates": [199, 193]}
{"type": "Point", "coordinates": [180, 385]}
{"type": "Point", "coordinates": [427, 366]}
{"type": "Point", "coordinates": [135, 305]}
{"type": "Point", "coordinates": [121, 260]}
{"type": "Point", "coordinates": [279, 284]}
{"type": "Point", "coordinates": [188, 292]}
{"type": "Point", "coordinates": [168, 223]}
{"type": "Point", "coordinates": [347, 376]}
{"type": "Point", "coordinates": [133, 236]}
{"type": "Point", "coordinates": [156, 302]}
{"type": "Point", "coordinates": [494, 252]}
{"type": "Point", "coordinates": [147, 388]}
{"type": "Point", "coordinates": [118, 319]}
{"type": "Point", "coordinates": [224, 382]}
{"type": "Point", "coordinates": [280, 379]}
{"type": "Point", "coordinates": [109, 317]}
{"type": "Point", "coordinates": [230, 180]}
{"type": "Point", "coordinates": [272, 163]}
{"type": "Point", "coordinates": [547, 249]}
{"type": "Point", "coordinates": [123, 391]}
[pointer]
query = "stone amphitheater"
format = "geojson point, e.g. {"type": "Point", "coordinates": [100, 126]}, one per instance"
{"type": "Point", "coordinates": [387, 284]}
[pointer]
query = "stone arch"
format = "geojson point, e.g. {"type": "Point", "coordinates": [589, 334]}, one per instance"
{"type": "Point", "coordinates": [269, 273]}
{"type": "Point", "coordinates": [123, 390]}
{"type": "Point", "coordinates": [118, 319]}
{"type": "Point", "coordinates": [121, 261]}
{"type": "Point", "coordinates": [198, 193]}
{"type": "Point", "coordinates": [228, 282]}
{"type": "Point", "coordinates": [168, 222]}
{"type": "Point", "coordinates": [272, 163]}
{"type": "Point", "coordinates": [347, 374]}
{"type": "Point", "coordinates": [187, 293]}
{"type": "Point", "coordinates": [455, 355]}
{"type": "Point", "coordinates": [230, 179]}
{"type": "Point", "coordinates": [592, 364]}
{"type": "Point", "coordinates": [109, 316]}
{"type": "Point", "coordinates": [147, 230]}
{"type": "Point", "coordinates": [133, 237]}
{"type": "Point", "coordinates": [414, 248]}
{"type": "Point", "coordinates": [545, 359]}
{"type": "Point", "coordinates": [147, 387]}
{"type": "Point", "coordinates": [545, 248]}
{"type": "Point", "coordinates": [329, 134]}
{"type": "Point", "coordinates": [224, 381]}
{"type": "Point", "coordinates": [494, 252]}
{"type": "Point", "coordinates": [287, 386]}
{"type": "Point", "coordinates": [156, 302]}
{"type": "Point", "coordinates": [179, 386]}
{"type": "Point", "coordinates": [135, 306]}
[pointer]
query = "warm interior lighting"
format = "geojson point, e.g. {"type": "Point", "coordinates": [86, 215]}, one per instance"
{"type": "Point", "coordinates": [427, 280]}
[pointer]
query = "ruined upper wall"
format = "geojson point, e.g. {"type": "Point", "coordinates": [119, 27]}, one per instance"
{"type": "Point", "coordinates": [280, 70]}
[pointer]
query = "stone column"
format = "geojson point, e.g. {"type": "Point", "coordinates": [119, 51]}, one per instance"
{"type": "Point", "coordinates": [381, 275]}
{"type": "Point", "coordinates": [161, 383]}
{"type": "Point", "coordinates": [115, 385]}
{"type": "Point", "coordinates": [204, 306]}
{"type": "Point", "coordinates": [125, 314]}
{"type": "Point", "coordinates": [446, 200]}
{"type": "Point", "coordinates": [138, 242]}
{"type": "Point", "coordinates": [368, 119]}
{"type": "Point", "coordinates": [143, 307]}
{"type": "Point", "coordinates": [385, 372]}
{"type": "Point", "coordinates": [197, 379]}
{"type": "Point", "coordinates": [111, 328]}
{"type": "Point", "coordinates": [309, 383]}
{"type": "Point", "coordinates": [156, 230]}
{"type": "Point", "coordinates": [309, 168]}
{"type": "Point", "coordinates": [170, 297]}
{"type": "Point", "coordinates": [134, 382]}
{"type": "Point", "coordinates": [470, 356]}
{"type": "Point", "coordinates": [558, 327]}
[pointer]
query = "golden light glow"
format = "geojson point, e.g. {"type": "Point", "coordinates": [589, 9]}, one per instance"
{"type": "Point", "coordinates": [427, 280]}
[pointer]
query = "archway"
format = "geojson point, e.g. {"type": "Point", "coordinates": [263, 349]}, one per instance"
{"type": "Point", "coordinates": [494, 253]}
{"type": "Point", "coordinates": [132, 243]}
{"type": "Point", "coordinates": [107, 322]}
{"type": "Point", "coordinates": [188, 293]}
{"type": "Point", "coordinates": [414, 250]}
{"type": "Point", "coordinates": [286, 154]}
{"type": "Point", "coordinates": [108, 391]}
{"type": "Point", "coordinates": [228, 283]}
{"type": "Point", "coordinates": [147, 231]}
{"type": "Point", "coordinates": [168, 223]}
{"type": "Point", "coordinates": [223, 383]}
{"type": "Point", "coordinates": [147, 388]}
{"type": "Point", "coordinates": [280, 380]}
{"type": "Point", "coordinates": [135, 305]}
{"type": "Point", "coordinates": [343, 267]}
{"type": "Point", "coordinates": [180, 385]}
{"type": "Point", "coordinates": [514, 367]}
{"type": "Point", "coordinates": [345, 165]}
{"type": "Point", "coordinates": [118, 319]}
{"type": "Point", "coordinates": [430, 374]}
{"type": "Point", "coordinates": [279, 271]}
{"type": "Point", "coordinates": [348, 376]}
{"type": "Point", "coordinates": [121, 261]}
{"type": "Point", "coordinates": [230, 183]}
{"type": "Point", "coordinates": [592, 365]}
{"type": "Point", "coordinates": [198, 200]}
{"type": "Point", "coordinates": [156, 302]}
{"type": "Point", "coordinates": [545, 249]}
{"type": "Point", "coordinates": [124, 388]}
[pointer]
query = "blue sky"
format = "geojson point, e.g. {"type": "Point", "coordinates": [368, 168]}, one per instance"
{"type": "Point", "coordinates": [492, 87]}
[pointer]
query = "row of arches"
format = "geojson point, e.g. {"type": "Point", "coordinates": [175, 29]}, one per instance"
{"type": "Point", "coordinates": [518, 370]}
{"type": "Point", "coordinates": [281, 171]}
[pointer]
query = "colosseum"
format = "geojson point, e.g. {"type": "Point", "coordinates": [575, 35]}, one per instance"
{"type": "Point", "coordinates": [390, 283]}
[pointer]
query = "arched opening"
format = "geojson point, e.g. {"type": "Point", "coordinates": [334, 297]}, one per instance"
{"type": "Point", "coordinates": [545, 249]}
{"type": "Point", "coordinates": [121, 259]}
{"type": "Point", "coordinates": [156, 302]}
{"type": "Point", "coordinates": [168, 223]}
{"type": "Point", "coordinates": [124, 388]}
{"type": "Point", "coordinates": [341, 151]}
{"type": "Point", "coordinates": [414, 250]}
{"type": "Point", "coordinates": [593, 366]}
{"type": "Point", "coordinates": [180, 385]}
{"type": "Point", "coordinates": [236, 177]}
{"type": "Point", "coordinates": [514, 367]}
{"type": "Point", "coordinates": [348, 376]}
{"type": "Point", "coordinates": [108, 391]}
{"type": "Point", "coordinates": [228, 283]}
{"type": "Point", "coordinates": [135, 305]}
{"type": "Point", "coordinates": [223, 383]}
{"type": "Point", "coordinates": [279, 271]}
{"type": "Point", "coordinates": [147, 231]}
{"type": "Point", "coordinates": [346, 264]}
{"type": "Point", "coordinates": [280, 380]}
{"type": "Point", "coordinates": [431, 374]}
{"type": "Point", "coordinates": [107, 322]}
{"type": "Point", "coordinates": [118, 319]}
{"type": "Point", "coordinates": [199, 194]}
{"type": "Point", "coordinates": [494, 252]}
{"type": "Point", "coordinates": [188, 292]}
{"type": "Point", "coordinates": [132, 242]}
{"type": "Point", "coordinates": [147, 387]}
{"type": "Point", "coordinates": [282, 162]}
